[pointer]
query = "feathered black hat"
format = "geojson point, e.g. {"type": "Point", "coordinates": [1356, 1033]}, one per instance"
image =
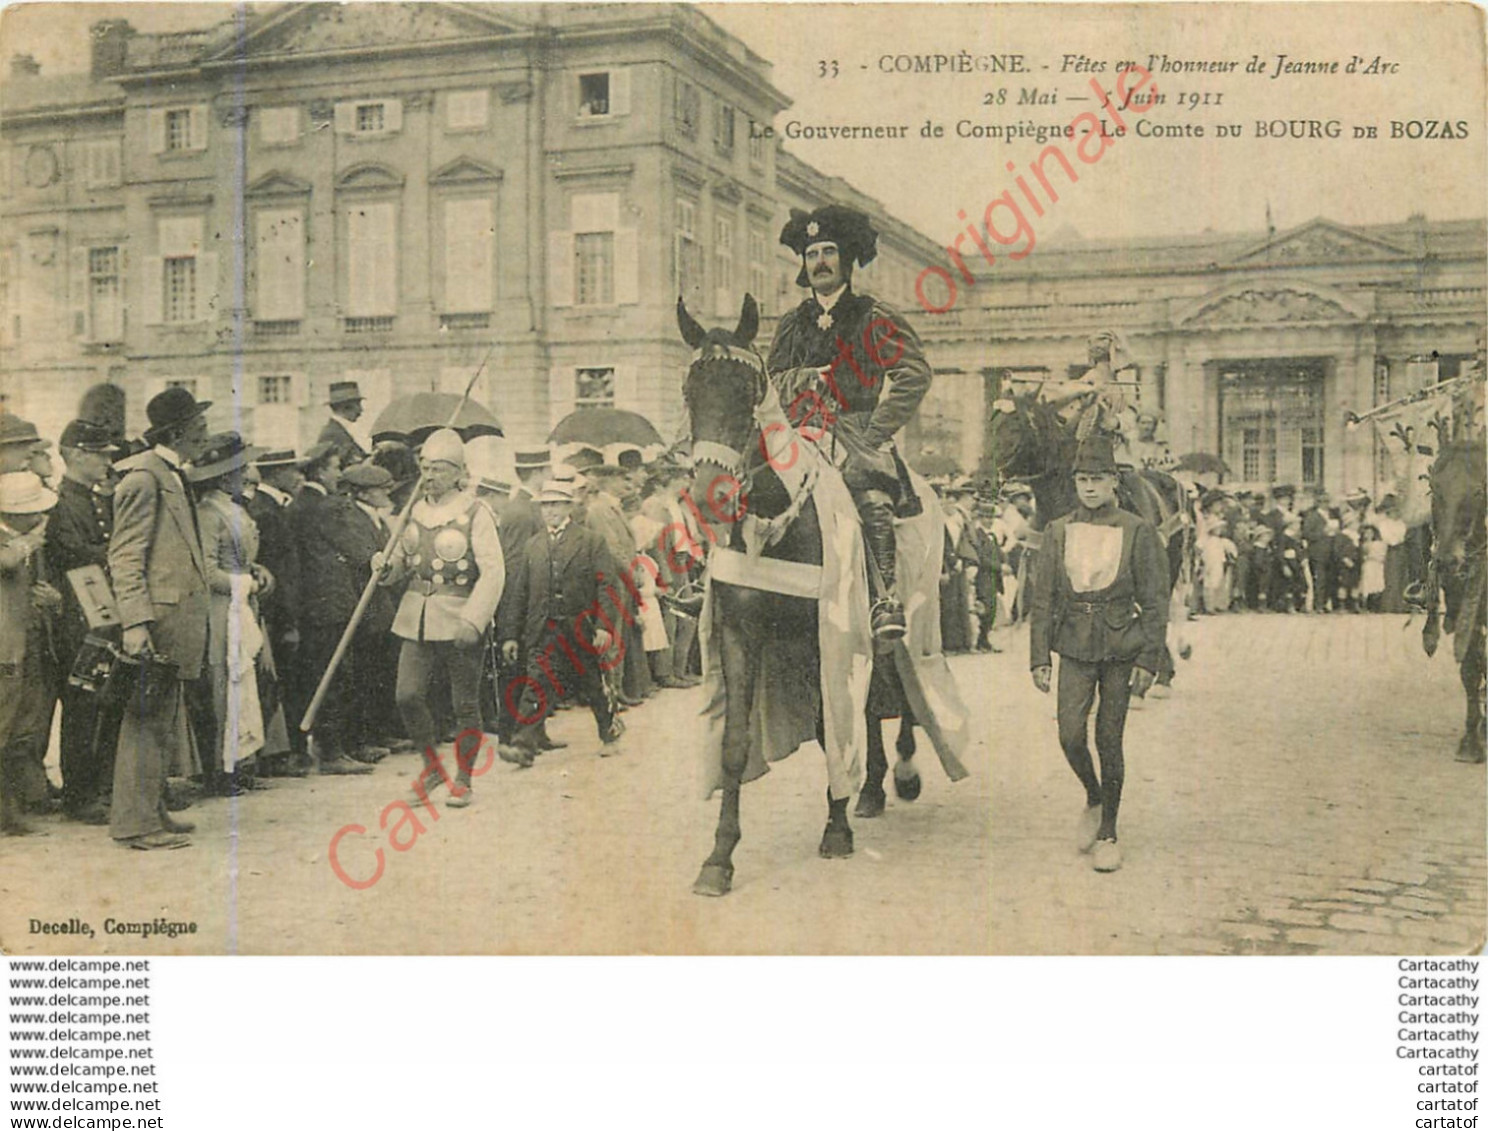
{"type": "Point", "coordinates": [851, 230]}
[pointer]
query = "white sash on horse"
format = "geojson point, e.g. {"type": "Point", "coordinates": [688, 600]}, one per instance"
{"type": "Point", "coordinates": [784, 716]}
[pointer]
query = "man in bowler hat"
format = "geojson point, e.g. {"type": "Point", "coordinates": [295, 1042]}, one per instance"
{"type": "Point", "coordinates": [160, 584]}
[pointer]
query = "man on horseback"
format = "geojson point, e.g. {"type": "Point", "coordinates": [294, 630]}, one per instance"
{"type": "Point", "coordinates": [849, 367]}
{"type": "Point", "coordinates": [1095, 399]}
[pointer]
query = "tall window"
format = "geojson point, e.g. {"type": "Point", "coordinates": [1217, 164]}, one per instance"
{"type": "Point", "coordinates": [279, 265]}
{"type": "Point", "coordinates": [687, 108]}
{"type": "Point", "coordinates": [106, 313]}
{"type": "Point", "coordinates": [757, 144]}
{"type": "Point", "coordinates": [723, 128]}
{"type": "Point", "coordinates": [595, 388]}
{"type": "Point", "coordinates": [1312, 456]}
{"type": "Point", "coordinates": [177, 130]}
{"type": "Point", "coordinates": [723, 265]}
{"type": "Point", "coordinates": [180, 289]}
{"type": "Point", "coordinates": [689, 265]}
{"type": "Point", "coordinates": [469, 253]}
{"type": "Point", "coordinates": [759, 266]}
{"type": "Point", "coordinates": [594, 267]}
{"type": "Point", "coordinates": [372, 260]}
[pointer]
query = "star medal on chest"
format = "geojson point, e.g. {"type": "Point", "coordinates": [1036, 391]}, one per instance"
{"type": "Point", "coordinates": [824, 321]}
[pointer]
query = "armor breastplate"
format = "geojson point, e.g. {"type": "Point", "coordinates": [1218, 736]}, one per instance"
{"type": "Point", "coordinates": [441, 556]}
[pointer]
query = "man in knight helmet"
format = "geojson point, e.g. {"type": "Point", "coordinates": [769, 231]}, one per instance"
{"type": "Point", "coordinates": [849, 367]}
{"type": "Point", "coordinates": [450, 555]}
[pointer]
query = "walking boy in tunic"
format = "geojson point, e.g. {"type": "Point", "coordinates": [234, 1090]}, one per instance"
{"type": "Point", "coordinates": [1099, 599]}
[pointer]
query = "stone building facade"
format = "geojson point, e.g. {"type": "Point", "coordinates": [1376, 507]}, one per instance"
{"type": "Point", "coordinates": [387, 192]}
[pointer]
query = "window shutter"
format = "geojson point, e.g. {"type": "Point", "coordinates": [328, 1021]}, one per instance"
{"type": "Point", "coordinates": [561, 268]}
{"type": "Point", "coordinates": [468, 240]}
{"type": "Point", "coordinates": [279, 265]}
{"type": "Point", "coordinates": [154, 290]}
{"type": "Point", "coordinates": [78, 291]}
{"type": "Point", "coordinates": [392, 115]}
{"type": "Point", "coordinates": [372, 270]}
{"type": "Point", "coordinates": [155, 124]}
{"type": "Point", "coordinates": [385, 261]}
{"type": "Point", "coordinates": [627, 267]}
{"type": "Point", "coordinates": [208, 290]}
{"type": "Point", "coordinates": [346, 117]}
{"type": "Point", "coordinates": [619, 91]}
{"type": "Point", "coordinates": [198, 127]}
{"type": "Point", "coordinates": [560, 393]}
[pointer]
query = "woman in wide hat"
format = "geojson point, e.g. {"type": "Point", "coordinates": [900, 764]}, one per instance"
{"type": "Point", "coordinates": [250, 720]}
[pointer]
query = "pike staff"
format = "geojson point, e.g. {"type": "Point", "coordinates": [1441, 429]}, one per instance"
{"type": "Point", "coordinates": [394, 534]}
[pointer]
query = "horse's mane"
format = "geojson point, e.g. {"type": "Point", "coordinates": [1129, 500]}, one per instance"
{"type": "Point", "coordinates": [1050, 441]}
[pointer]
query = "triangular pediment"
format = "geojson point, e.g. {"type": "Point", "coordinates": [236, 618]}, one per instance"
{"type": "Point", "coordinates": [1319, 241]}
{"type": "Point", "coordinates": [369, 176]}
{"type": "Point", "coordinates": [1269, 304]}
{"type": "Point", "coordinates": [465, 171]}
{"type": "Point", "coordinates": [313, 29]}
{"type": "Point", "coordinates": [278, 184]}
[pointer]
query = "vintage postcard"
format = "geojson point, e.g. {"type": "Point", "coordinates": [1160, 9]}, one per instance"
{"type": "Point", "coordinates": [449, 453]}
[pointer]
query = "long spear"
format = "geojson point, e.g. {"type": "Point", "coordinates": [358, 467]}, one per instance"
{"type": "Point", "coordinates": [394, 534]}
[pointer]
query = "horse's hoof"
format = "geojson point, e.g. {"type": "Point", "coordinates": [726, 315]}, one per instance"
{"type": "Point", "coordinates": [904, 745]}
{"type": "Point", "coordinates": [906, 781]}
{"type": "Point", "coordinates": [1470, 752]}
{"type": "Point", "coordinates": [870, 804]}
{"type": "Point", "coordinates": [836, 842]}
{"type": "Point", "coordinates": [714, 879]}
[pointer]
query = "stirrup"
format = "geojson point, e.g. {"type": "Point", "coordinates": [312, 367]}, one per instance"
{"type": "Point", "coordinates": [887, 617]}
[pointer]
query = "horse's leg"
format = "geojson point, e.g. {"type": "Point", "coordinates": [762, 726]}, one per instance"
{"type": "Point", "coordinates": [740, 666]}
{"type": "Point", "coordinates": [871, 799]}
{"type": "Point", "coordinates": [906, 774]}
{"type": "Point", "coordinates": [1471, 748]}
{"type": "Point", "coordinates": [837, 837]}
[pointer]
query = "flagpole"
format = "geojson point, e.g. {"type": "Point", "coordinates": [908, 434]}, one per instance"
{"type": "Point", "coordinates": [394, 534]}
{"type": "Point", "coordinates": [1354, 418]}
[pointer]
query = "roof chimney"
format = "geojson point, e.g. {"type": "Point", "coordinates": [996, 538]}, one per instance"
{"type": "Point", "coordinates": [110, 47]}
{"type": "Point", "coordinates": [24, 66]}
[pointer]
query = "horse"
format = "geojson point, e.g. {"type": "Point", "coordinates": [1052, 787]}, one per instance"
{"type": "Point", "coordinates": [723, 386]}
{"type": "Point", "coordinates": [1032, 443]}
{"type": "Point", "coordinates": [1459, 500]}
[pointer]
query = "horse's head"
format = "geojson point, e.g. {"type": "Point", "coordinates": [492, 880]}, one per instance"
{"type": "Point", "coordinates": [724, 383]}
{"type": "Point", "coordinates": [1458, 495]}
{"type": "Point", "coordinates": [1026, 436]}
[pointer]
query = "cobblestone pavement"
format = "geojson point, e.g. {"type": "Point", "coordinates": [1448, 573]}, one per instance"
{"type": "Point", "coordinates": [576, 855]}
{"type": "Point", "coordinates": [1297, 794]}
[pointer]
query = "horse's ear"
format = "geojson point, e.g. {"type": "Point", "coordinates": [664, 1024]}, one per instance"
{"type": "Point", "coordinates": [693, 334]}
{"type": "Point", "coordinates": [748, 325]}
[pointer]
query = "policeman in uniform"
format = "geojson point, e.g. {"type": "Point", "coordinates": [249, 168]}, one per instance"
{"type": "Point", "coordinates": [450, 554]}
{"type": "Point", "coordinates": [1100, 599]}
{"type": "Point", "coordinates": [851, 365]}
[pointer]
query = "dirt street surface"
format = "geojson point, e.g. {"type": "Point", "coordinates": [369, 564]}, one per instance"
{"type": "Point", "coordinates": [1296, 795]}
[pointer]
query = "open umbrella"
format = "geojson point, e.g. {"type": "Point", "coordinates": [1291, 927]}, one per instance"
{"type": "Point", "coordinates": [412, 418]}
{"type": "Point", "coordinates": [601, 427]}
{"type": "Point", "coordinates": [1202, 463]}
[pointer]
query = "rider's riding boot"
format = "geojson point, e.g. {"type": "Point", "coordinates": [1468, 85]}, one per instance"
{"type": "Point", "coordinates": [877, 513]}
